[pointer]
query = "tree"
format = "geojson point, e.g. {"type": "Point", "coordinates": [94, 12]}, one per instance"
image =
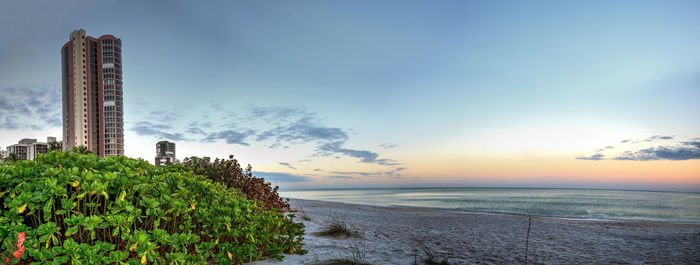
{"type": "Point", "coordinates": [12, 157]}
{"type": "Point", "coordinates": [81, 150]}
{"type": "Point", "coordinates": [230, 173]}
{"type": "Point", "coordinates": [55, 146]}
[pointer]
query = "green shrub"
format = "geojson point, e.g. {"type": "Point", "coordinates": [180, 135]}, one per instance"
{"type": "Point", "coordinates": [230, 173]}
{"type": "Point", "coordinates": [82, 209]}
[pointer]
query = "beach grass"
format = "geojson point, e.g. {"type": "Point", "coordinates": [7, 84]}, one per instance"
{"type": "Point", "coordinates": [430, 256]}
{"type": "Point", "coordinates": [337, 228]}
{"type": "Point", "coordinates": [357, 257]}
{"type": "Point", "coordinates": [303, 215]}
{"type": "Point", "coordinates": [342, 262]}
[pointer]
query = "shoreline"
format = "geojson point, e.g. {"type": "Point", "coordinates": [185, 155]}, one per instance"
{"type": "Point", "coordinates": [393, 235]}
{"type": "Point", "coordinates": [696, 191]}
{"type": "Point", "coordinates": [508, 213]}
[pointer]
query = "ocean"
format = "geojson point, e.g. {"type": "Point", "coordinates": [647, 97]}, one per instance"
{"type": "Point", "coordinates": [568, 203]}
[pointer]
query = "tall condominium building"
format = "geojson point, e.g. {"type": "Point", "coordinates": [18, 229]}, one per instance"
{"type": "Point", "coordinates": [93, 113]}
{"type": "Point", "coordinates": [165, 153]}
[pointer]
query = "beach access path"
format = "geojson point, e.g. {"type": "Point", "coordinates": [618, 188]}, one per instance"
{"type": "Point", "coordinates": [393, 235]}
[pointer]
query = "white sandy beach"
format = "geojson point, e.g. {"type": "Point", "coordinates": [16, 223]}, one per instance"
{"type": "Point", "coordinates": [389, 235]}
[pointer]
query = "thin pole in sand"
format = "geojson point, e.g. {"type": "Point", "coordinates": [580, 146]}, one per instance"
{"type": "Point", "coordinates": [527, 239]}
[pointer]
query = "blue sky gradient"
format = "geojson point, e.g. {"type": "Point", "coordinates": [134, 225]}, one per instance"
{"type": "Point", "coordinates": [333, 83]}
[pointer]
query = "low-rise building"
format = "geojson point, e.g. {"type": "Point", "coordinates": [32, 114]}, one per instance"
{"type": "Point", "coordinates": [3, 154]}
{"type": "Point", "coordinates": [165, 153]}
{"type": "Point", "coordinates": [28, 149]}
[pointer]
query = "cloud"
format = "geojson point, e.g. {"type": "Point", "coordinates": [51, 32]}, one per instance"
{"type": "Point", "coordinates": [303, 131]}
{"type": "Point", "coordinates": [276, 115]}
{"type": "Point", "coordinates": [276, 127]}
{"type": "Point", "coordinates": [287, 165]}
{"type": "Point", "coordinates": [340, 177]}
{"type": "Point", "coordinates": [662, 153]}
{"type": "Point", "coordinates": [336, 147]}
{"type": "Point", "coordinates": [387, 162]}
{"type": "Point", "coordinates": [388, 146]}
{"type": "Point", "coordinates": [33, 108]}
{"type": "Point", "coordinates": [664, 149]}
{"type": "Point", "coordinates": [395, 171]}
{"type": "Point", "coordinates": [162, 115]}
{"type": "Point", "coordinates": [658, 137]}
{"type": "Point", "coordinates": [231, 137]}
{"type": "Point", "coordinates": [196, 127]}
{"type": "Point", "coordinates": [366, 174]}
{"type": "Point", "coordinates": [195, 130]}
{"type": "Point", "coordinates": [280, 177]}
{"type": "Point", "coordinates": [605, 148]}
{"type": "Point", "coordinates": [650, 139]}
{"type": "Point", "coordinates": [318, 169]}
{"type": "Point", "coordinates": [158, 130]}
{"type": "Point", "coordinates": [695, 143]}
{"type": "Point", "coordinates": [593, 157]}
{"type": "Point", "coordinates": [331, 148]}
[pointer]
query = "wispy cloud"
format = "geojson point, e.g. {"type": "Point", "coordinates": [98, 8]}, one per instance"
{"type": "Point", "coordinates": [280, 176]}
{"type": "Point", "coordinates": [195, 128]}
{"type": "Point", "coordinates": [659, 137]}
{"type": "Point", "coordinates": [387, 162]}
{"type": "Point", "coordinates": [302, 131]}
{"type": "Point", "coordinates": [653, 148]}
{"type": "Point", "coordinates": [695, 143]}
{"type": "Point", "coordinates": [356, 173]}
{"type": "Point", "coordinates": [230, 136]}
{"type": "Point", "coordinates": [161, 131]}
{"type": "Point", "coordinates": [593, 157]}
{"type": "Point", "coordinates": [605, 148]}
{"type": "Point", "coordinates": [33, 108]}
{"type": "Point", "coordinates": [275, 127]}
{"type": "Point", "coordinates": [336, 147]}
{"type": "Point", "coordinates": [164, 115]}
{"type": "Point", "coordinates": [388, 146]}
{"type": "Point", "coordinates": [287, 165]}
{"type": "Point", "coordinates": [686, 152]}
{"type": "Point", "coordinates": [276, 115]}
{"type": "Point", "coordinates": [395, 171]}
{"type": "Point", "coordinates": [340, 177]}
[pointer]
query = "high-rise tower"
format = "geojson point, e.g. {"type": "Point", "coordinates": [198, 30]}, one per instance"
{"type": "Point", "coordinates": [93, 113]}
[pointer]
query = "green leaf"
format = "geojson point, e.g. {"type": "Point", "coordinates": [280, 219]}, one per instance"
{"type": "Point", "coordinates": [47, 209]}
{"type": "Point", "coordinates": [71, 231]}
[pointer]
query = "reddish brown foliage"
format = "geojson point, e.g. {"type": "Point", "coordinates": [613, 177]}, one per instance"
{"type": "Point", "coordinates": [230, 173]}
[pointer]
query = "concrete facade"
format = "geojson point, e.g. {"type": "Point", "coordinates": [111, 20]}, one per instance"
{"type": "Point", "coordinates": [28, 149]}
{"type": "Point", "coordinates": [165, 153]}
{"type": "Point", "coordinates": [93, 114]}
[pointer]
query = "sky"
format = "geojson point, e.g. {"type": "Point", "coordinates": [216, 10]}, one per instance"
{"type": "Point", "coordinates": [319, 94]}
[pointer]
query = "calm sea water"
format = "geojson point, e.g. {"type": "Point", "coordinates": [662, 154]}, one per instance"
{"type": "Point", "coordinates": [574, 203]}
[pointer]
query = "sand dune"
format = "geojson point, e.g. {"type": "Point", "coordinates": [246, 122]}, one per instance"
{"type": "Point", "coordinates": [391, 235]}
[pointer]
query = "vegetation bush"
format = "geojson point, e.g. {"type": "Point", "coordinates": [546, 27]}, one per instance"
{"type": "Point", "coordinates": [81, 209]}
{"type": "Point", "coordinates": [230, 173]}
